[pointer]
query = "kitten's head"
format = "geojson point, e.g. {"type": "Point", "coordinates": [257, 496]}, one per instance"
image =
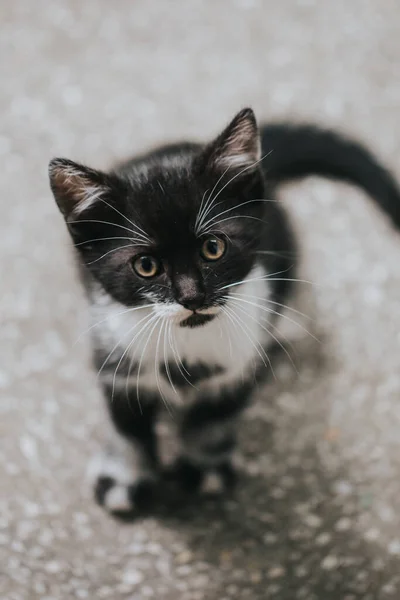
{"type": "Point", "coordinates": [174, 227]}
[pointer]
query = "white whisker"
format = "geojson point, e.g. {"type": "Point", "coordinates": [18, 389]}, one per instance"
{"type": "Point", "coordinates": [210, 200]}
{"type": "Point", "coordinates": [103, 240]}
{"type": "Point", "coordinates": [167, 369]}
{"type": "Point", "coordinates": [158, 319]}
{"type": "Point", "coordinates": [125, 217]}
{"type": "Point", "coordinates": [260, 278]}
{"type": "Point", "coordinates": [113, 315]}
{"type": "Point", "coordinates": [117, 344]}
{"type": "Point", "coordinates": [238, 337]}
{"type": "Point", "coordinates": [144, 239]}
{"type": "Point", "coordinates": [178, 360]}
{"type": "Point", "coordinates": [268, 278]}
{"type": "Point", "coordinates": [256, 345]}
{"type": "Point", "coordinates": [199, 213]}
{"type": "Point", "coordinates": [161, 187]}
{"type": "Point", "coordinates": [212, 220]}
{"type": "Point", "coordinates": [109, 252]}
{"type": "Point", "coordinates": [128, 347]}
{"type": "Point", "coordinates": [294, 310]}
{"type": "Point", "coordinates": [157, 365]}
{"type": "Point", "coordinates": [240, 173]}
{"type": "Point", "coordinates": [131, 362]}
{"type": "Point", "coordinates": [284, 253]}
{"type": "Point", "coordinates": [274, 312]}
{"type": "Point", "coordinates": [267, 330]}
{"type": "Point", "coordinates": [210, 227]}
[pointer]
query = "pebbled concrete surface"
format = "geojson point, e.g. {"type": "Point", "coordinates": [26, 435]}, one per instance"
{"type": "Point", "coordinates": [317, 512]}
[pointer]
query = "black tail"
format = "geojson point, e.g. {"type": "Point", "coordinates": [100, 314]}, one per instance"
{"type": "Point", "coordinates": [301, 150]}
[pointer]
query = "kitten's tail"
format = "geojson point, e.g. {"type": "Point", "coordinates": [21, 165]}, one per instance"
{"type": "Point", "coordinates": [301, 150]}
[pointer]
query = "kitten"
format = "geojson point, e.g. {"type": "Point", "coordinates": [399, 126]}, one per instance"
{"type": "Point", "coordinates": [188, 263]}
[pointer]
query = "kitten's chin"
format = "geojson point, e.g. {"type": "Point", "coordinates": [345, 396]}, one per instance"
{"type": "Point", "coordinates": [197, 320]}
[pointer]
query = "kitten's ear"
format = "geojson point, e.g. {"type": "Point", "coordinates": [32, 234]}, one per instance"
{"type": "Point", "coordinates": [238, 147]}
{"type": "Point", "coordinates": [76, 188]}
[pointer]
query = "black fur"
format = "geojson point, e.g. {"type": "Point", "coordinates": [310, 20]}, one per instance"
{"type": "Point", "coordinates": [159, 196]}
{"type": "Point", "coordinates": [187, 375]}
{"type": "Point", "coordinates": [134, 419]}
{"type": "Point", "coordinates": [300, 150]}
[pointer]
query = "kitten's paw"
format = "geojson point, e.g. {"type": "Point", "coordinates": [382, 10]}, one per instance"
{"type": "Point", "coordinates": [125, 501]}
{"type": "Point", "coordinates": [208, 481]}
{"type": "Point", "coordinates": [122, 491]}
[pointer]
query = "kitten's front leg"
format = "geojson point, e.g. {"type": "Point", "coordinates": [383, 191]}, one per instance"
{"type": "Point", "coordinates": [124, 474]}
{"type": "Point", "coordinates": [208, 437]}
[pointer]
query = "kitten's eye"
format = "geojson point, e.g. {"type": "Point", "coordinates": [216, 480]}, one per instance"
{"type": "Point", "coordinates": [146, 266]}
{"type": "Point", "coordinates": [213, 248]}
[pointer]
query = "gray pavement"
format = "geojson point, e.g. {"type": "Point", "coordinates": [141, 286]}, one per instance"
{"type": "Point", "coordinates": [317, 511]}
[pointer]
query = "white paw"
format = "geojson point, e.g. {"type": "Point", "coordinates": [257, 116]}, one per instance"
{"type": "Point", "coordinates": [119, 486]}
{"type": "Point", "coordinates": [212, 484]}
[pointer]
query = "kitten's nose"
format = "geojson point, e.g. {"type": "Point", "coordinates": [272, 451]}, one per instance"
{"type": "Point", "coordinates": [189, 289]}
{"type": "Point", "coordinates": [189, 293]}
{"type": "Point", "coordinates": [193, 303]}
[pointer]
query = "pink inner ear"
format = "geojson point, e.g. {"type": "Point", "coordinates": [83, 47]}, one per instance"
{"type": "Point", "coordinates": [239, 145]}
{"type": "Point", "coordinates": [75, 192]}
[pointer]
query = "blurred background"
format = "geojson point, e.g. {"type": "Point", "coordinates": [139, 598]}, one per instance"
{"type": "Point", "coordinates": [317, 513]}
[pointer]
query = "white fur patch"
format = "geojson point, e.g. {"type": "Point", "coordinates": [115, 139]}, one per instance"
{"type": "Point", "coordinates": [298, 320]}
{"type": "Point", "coordinates": [89, 196]}
{"type": "Point", "coordinates": [212, 484]}
{"type": "Point", "coordinates": [117, 499]}
{"type": "Point", "coordinates": [75, 187]}
{"type": "Point", "coordinates": [233, 339]}
{"type": "Point", "coordinates": [237, 160]}
{"type": "Point", "coordinates": [122, 460]}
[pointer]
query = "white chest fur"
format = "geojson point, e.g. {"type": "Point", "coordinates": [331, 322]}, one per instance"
{"type": "Point", "coordinates": [149, 336]}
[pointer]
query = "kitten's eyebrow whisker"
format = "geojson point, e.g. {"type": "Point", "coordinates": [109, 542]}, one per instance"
{"type": "Point", "coordinates": [161, 187]}
{"type": "Point", "coordinates": [212, 220]}
{"type": "Point", "coordinates": [240, 173]}
{"type": "Point", "coordinates": [103, 240]}
{"type": "Point", "coordinates": [211, 199]}
{"type": "Point", "coordinates": [138, 235]}
{"type": "Point", "coordinates": [199, 213]}
{"type": "Point", "coordinates": [109, 252]}
{"type": "Point", "coordinates": [125, 217]}
{"type": "Point", "coordinates": [210, 227]}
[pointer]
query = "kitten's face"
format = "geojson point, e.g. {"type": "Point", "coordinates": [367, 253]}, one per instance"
{"type": "Point", "coordinates": [173, 228]}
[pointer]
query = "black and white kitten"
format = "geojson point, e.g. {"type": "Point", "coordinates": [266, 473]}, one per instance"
{"type": "Point", "coordinates": [188, 263]}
